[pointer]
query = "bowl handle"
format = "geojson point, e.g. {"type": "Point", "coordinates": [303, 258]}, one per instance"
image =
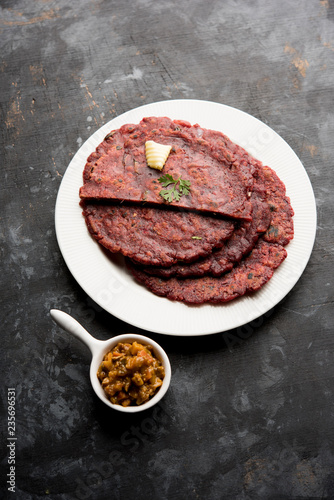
{"type": "Point", "coordinates": [71, 325]}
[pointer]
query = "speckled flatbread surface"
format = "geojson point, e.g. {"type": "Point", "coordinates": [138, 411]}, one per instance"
{"type": "Point", "coordinates": [221, 180]}
{"type": "Point", "coordinates": [155, 236]}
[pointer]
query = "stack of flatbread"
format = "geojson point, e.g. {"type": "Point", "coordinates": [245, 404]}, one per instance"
{"type": "Point", "coordinates": [218, 240]}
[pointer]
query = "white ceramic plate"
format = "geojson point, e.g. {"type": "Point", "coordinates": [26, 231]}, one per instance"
{"type": "Point", "coordinates": [108, 282]}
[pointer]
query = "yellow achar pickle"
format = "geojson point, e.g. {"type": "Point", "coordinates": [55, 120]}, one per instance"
{"type": "Point", "coordinates": [130, 374]}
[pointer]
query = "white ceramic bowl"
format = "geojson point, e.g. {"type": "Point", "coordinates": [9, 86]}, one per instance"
{"type": "Point", "coordinates": [99, 348]}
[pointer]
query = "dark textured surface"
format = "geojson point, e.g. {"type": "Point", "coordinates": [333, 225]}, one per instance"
{"type": "Point", "coordinates": [249, 414]}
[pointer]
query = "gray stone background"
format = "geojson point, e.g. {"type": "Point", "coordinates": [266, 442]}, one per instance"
{"type": "Point", "coordinates": [249, 414]}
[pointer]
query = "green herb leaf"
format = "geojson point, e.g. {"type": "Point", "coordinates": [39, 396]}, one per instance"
{"type": "Point", "coordinates": [184, 187]}
{"type": "Point", "coordinates": [180, 187]}
{"type": "Point", "coordinates": [167, 194]}
{"type": "Point", "coordinates": [166, 180]}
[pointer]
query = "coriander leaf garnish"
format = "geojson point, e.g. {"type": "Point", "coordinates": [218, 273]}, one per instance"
{"type": "Point", "coordinates": [166, 180]}
{"type": "Point", "coordinates": [184, 187]}
{"type": "Point", "coordinates": [180, 187]}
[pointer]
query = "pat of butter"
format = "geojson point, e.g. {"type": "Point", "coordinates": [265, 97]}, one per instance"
{"type": "Point", "coordinates": [156, 154]}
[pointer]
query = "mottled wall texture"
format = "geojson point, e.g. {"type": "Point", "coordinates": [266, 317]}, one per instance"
{"type": "Point", "coordinates": [249, 413]}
